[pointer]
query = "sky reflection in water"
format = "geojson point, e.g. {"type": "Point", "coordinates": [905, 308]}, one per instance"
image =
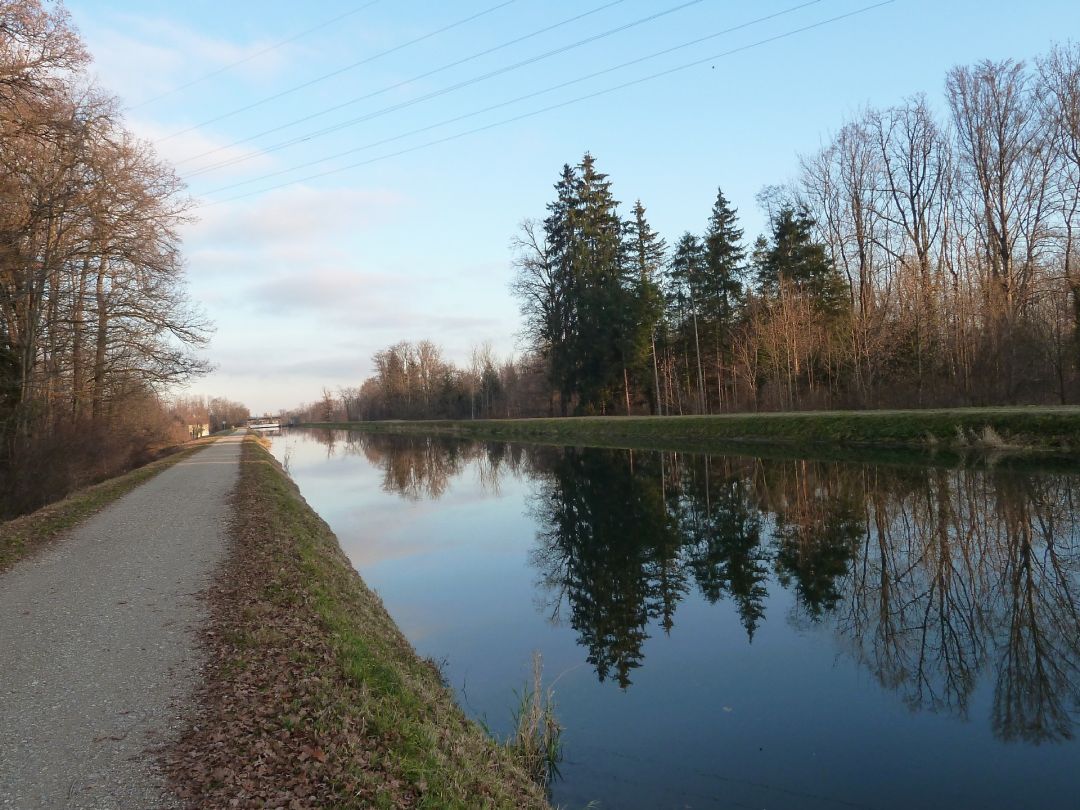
{"type": "Point", "coordinates": [728, 631]}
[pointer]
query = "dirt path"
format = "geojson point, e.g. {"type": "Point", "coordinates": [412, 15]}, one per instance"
{"type": "Point", "coordinates": [98, 651]}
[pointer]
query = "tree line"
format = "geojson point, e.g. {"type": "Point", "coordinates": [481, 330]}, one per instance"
{"type": "Point", "coordinates": [94, 316]}
{"type": "Point", "coordinates": [921, 257]}
{"type": "Point", "coordinates": [415, 380]}
{"type": "Point", "coordinates": [917, 259]}
{"type": "Point", "coordinates": [199, 414]}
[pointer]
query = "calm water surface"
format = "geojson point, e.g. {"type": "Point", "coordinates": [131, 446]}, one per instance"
{"type": "Point", "coordinates": [729, 631]}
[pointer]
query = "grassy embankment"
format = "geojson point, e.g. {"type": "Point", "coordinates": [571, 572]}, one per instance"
{"type": "Point", "coordinates": [313, 697]}
{"type": "Point", "coordinates": [1027, 429]}
{"type": "Point", "coordinates": [22, 535]}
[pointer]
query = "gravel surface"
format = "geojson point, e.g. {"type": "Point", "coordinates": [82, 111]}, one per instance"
{"type": "Point", "coordinates": [98, 642]}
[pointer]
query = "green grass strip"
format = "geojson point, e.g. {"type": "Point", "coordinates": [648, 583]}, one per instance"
{"type": "Point", "coordinates": [1043, 430]}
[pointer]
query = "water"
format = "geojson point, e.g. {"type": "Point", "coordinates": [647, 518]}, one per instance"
{"type": "Point", "coordinates": [730, 632]}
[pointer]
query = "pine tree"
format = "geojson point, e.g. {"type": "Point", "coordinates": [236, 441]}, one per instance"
{"type": "Point", "coordinates": [807, 297]}
{"type": "Point", "coordinates": [602, 298]}
{"type": "Point", "coordinates": [588, 291]}
{"type": "Point", "coordinates": [724, 256]}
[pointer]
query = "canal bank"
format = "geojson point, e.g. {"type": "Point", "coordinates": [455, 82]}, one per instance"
{"type": "Point", "coordinates": [955, 432]}
{"type": "Point", "coordinates": [312, 693]}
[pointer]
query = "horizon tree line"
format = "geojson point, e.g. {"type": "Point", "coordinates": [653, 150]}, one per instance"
{"type": "Point", "coordinates": [914, 261]}
{"type": "Point", "coordinates": [919, 258]}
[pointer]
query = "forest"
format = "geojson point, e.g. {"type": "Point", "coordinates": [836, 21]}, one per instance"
{"type": "Point", "coordinates": [921, 257]}
{"type": "Point", "coordinates": [95, 321]}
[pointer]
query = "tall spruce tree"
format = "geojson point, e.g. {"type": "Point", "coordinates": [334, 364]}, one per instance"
{"type": "Point", "coordinates": [645, 253]}
{"type": "Point", "coordinates": [686, 272]}
{"type": "Point", "coordinates": [589, 293]}
{"type": "Point", "coordinates": [560, 321]}
{"type": "Point", "coordinates": [721, 286]}
{"type": "Point", "coordinates": [581, 294]}
{"type": "Point", "coordinates": [605, 304]}
{"type": "Point", "coordinates": [724, 257]}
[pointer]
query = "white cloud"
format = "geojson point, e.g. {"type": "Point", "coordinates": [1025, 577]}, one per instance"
{"type": "Point", "coordinates": [198, 150]}
{"type": "Point", "coordinates": [143, 57]}
{"type": "Point", "coordinates": [300, 217]}
{"type": "Point", "coordinates": [331, 292]}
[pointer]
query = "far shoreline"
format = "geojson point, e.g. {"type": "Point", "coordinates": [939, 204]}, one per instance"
{"type": "Point", "coordinates": [1045, 434]}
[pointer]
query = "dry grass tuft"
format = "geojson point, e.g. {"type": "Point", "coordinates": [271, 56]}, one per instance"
{"type": "Point", "coordinates": [536, 742]}
{"type": "Point", "coordinates": [990, 438]}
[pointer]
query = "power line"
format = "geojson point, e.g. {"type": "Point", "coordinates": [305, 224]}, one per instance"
{"type": "Point", "coordinates": [255, 55]}
{"type": "Point", "coordinates": [525, 97]}
{"type": "Point", "coordinates": [441, 92]}
{"type": "Point", "coordinates": [388, 88]}
{"type": "Point", "coordinates": [339, 71]}
{"type": "Point", "coordinates": [533, 113]}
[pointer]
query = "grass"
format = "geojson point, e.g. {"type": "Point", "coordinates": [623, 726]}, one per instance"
{"type": "Point", "coordinates": [536, 742]}
{"type": "Point", "coordinates": [23, 535]}
{"type": "Point", "coordinates": [313, 695]}
{"type": "Point", "coordinates": [1045, 430]}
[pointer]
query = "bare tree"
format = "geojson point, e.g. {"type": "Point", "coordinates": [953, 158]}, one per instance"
{"type": "Point", "coordinates": [1059, 90]}
{"type": "Point", "coordinates": [1003, 160]}
{"type": "Point", "coordinates": [916, 166]}
{"type": "Point", "coordinates": [94, 316]}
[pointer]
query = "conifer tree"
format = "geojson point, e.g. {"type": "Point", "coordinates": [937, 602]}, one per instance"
{"type": "Point", "coordinates": [686, 272]}
{"type": "Point", "coordinates": [602, 298]}
{"type": "Point", "coordinates": [586, 306]}
{"type": "Point", "coordinates": [795, 258]}
{"type": "Point", "coordinates": [645, 254]}
{"type": "Point", "coordinates": [722, 289]}
{"type": "Point", "coordinates": [724, 256]}
{"type": "Point", "coordinates": [560, 321]}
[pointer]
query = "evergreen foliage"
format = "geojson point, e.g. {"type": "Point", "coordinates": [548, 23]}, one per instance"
{"type": "Point", "coordinates": [724, 257]}
{"type": "Point", "coordinates": [686, 276]}
{"type": "Point", "coordinates": [645, 251]}
{"type": "Point", "coordinates": [794, 257]}
{"type": "Point", "coordinates": [598, 306]}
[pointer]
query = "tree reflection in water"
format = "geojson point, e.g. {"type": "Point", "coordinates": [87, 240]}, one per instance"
{"type": "Point", "coordinates": [931, 577]}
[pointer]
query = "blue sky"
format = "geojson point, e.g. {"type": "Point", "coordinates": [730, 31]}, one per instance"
{"type": "Point", "coordinates": [306, 281]}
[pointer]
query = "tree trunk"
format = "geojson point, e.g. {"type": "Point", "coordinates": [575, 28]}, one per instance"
{"type": "Point", "coordinates": [101, 344]}
{"type": "Point", "coordinates": [697, 354]}
{"type": "Point", "coordinates": [656, 376]}
{"type": "Point", "coordinates": [78, 369]}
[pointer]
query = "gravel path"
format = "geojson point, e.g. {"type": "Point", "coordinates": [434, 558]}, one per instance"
{"type": "Point", "coordinates": [98, 652]}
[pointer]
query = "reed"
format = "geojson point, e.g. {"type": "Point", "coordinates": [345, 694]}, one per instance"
{"type": "Point", "coordinates": [537, 740]}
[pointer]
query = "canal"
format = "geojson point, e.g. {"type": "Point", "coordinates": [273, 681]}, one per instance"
{"type": "Point", "coordinates": [727, 631]}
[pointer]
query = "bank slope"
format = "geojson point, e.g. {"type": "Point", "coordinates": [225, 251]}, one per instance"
{"type": "Point", "coordinates": [314, 698]}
